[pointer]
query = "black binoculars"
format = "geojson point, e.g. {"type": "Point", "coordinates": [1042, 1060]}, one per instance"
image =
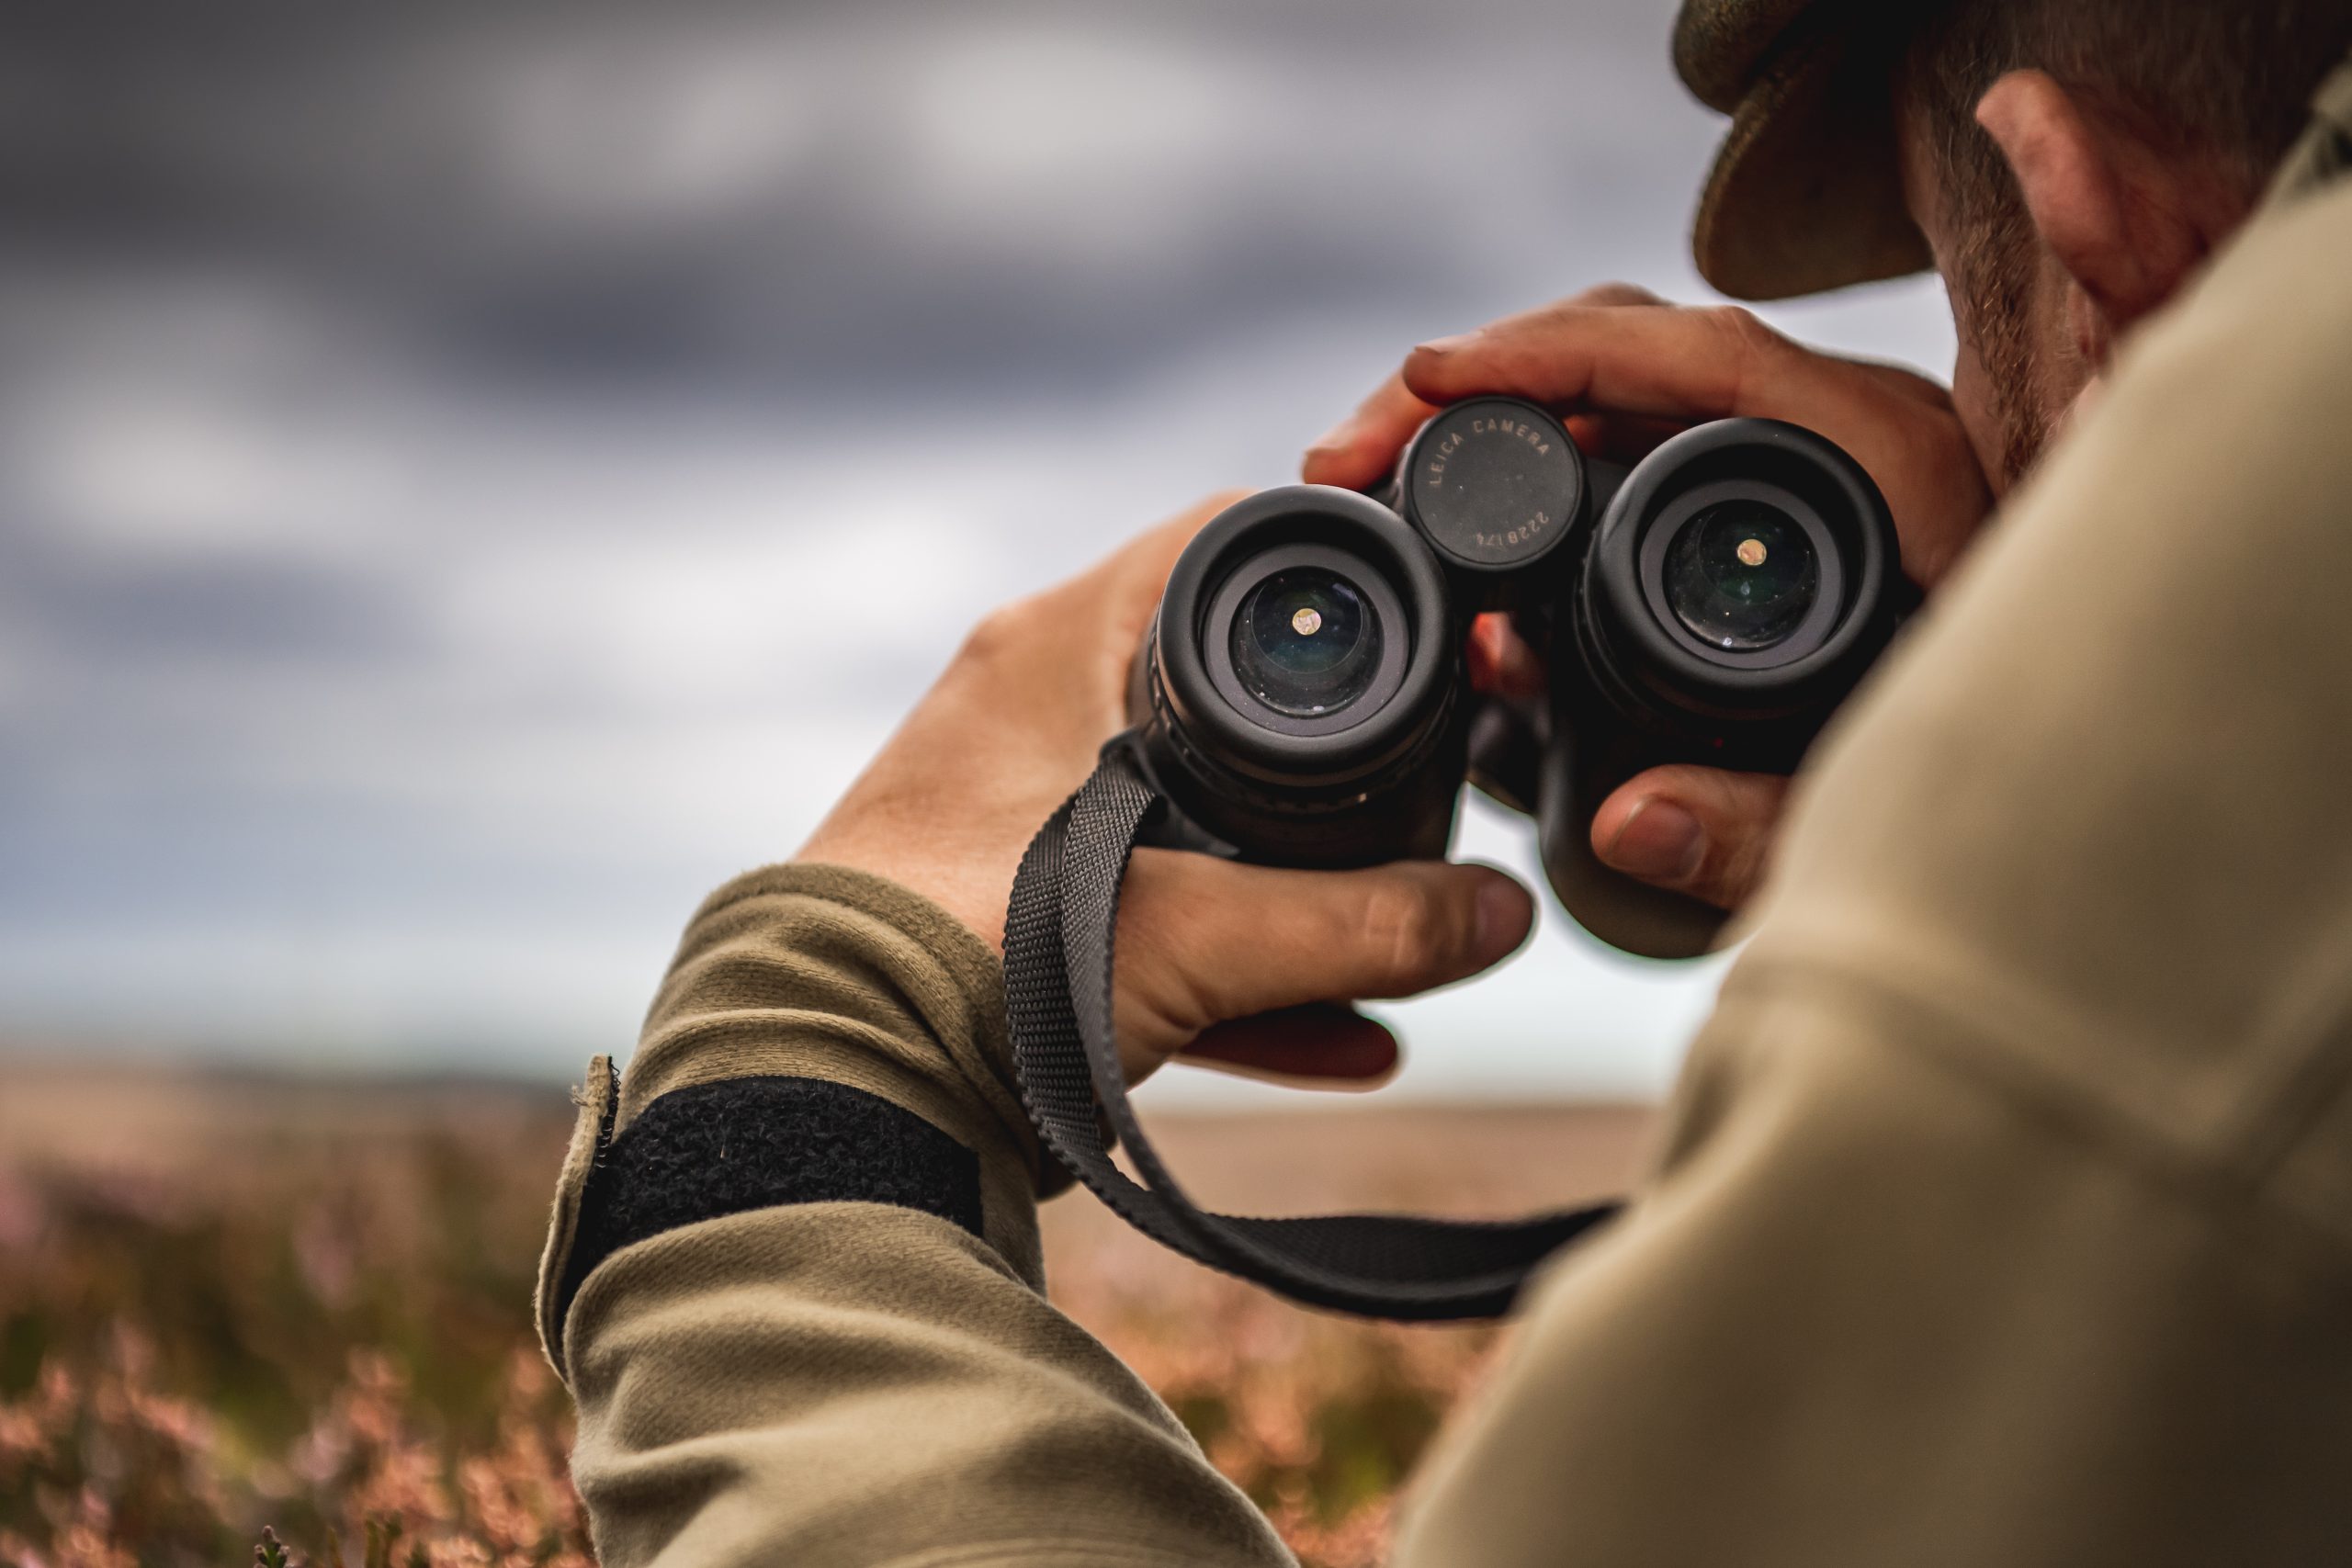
{"type": "Point", "coordinates": [1300, 697]}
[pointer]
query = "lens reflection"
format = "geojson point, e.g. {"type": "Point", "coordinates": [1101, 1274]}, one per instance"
{"type": "Point", "coordinates": [1742, 575]}
{"type": "Point", "coordinates": [1306, 642]}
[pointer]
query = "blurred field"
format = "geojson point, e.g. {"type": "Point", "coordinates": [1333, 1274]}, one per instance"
{"type": "Point", "coordinates": [229, 1304]}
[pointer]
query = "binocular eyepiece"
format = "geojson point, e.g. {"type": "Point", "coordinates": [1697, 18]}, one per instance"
{"type": "Point", "coordinates": [1300, 699]}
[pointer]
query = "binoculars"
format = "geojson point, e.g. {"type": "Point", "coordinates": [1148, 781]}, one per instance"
{"type": "Point", "coordinates": [1300, 697]}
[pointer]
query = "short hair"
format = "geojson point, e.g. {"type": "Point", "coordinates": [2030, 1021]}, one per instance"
{"type": "Point", "coordinates": [2226, 82]}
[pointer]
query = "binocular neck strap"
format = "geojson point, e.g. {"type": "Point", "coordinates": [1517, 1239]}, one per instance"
{"type": "Point", "coordinates": [1058, 973]}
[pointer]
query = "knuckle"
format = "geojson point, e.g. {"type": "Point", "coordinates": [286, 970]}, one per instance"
{"type": "Point", "coordinates": [1731, 873]}
{"type": "Point", "coordinates": [1405, 923]}
{"type": "Point", "coordinates": [1003, 629]}
{"type": "Point", "coordinates": [1752, 350]}
{"type": "Point", "coordinates": [1166, 971]}
{"type": "Point", "coordinates": [1739, 838]}
{"type": "Point", "coordinates": [988, 637]}
{"type": "Point", "coordinates": [1747, 332]}
{"type": "Point", "coordinates": [1616, 292]}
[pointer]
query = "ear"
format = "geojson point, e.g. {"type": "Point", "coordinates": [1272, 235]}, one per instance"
{"type": "Point", "coordinates": [2099, 201]}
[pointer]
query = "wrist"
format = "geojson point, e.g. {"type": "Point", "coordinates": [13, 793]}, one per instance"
{"type": "Point", "coordinates": [823, 1034]}
{"type": "Point", "coordinates": [836, 972]}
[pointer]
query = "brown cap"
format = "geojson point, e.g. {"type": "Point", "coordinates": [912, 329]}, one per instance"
{"type": "Point", "coordinates": [1806, 193]}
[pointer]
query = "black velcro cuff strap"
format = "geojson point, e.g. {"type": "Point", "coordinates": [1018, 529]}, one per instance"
{"type": "Point", "coordinates": [710, 1150]}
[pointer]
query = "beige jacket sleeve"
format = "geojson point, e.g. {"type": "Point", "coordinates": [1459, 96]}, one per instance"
{"type": "Point", "coordinates": [826, 1383]}
{"type": "Point", "coordinates": [2007, 1214]}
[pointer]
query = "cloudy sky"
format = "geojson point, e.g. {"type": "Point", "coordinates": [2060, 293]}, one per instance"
{"type": "Point", "coordinates": [473, 476]}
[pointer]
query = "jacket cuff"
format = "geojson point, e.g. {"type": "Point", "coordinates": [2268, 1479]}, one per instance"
{"type": "Point", "coordinates": [826, 1035]}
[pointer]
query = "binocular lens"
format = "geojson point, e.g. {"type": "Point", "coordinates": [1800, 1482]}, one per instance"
{"type": "Point", "coordinates": [1742, 575]}
{"type": "Point", "coordinates": [1306, 642]}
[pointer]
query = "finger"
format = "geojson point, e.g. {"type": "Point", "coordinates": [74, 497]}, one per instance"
{"type": "Point", "coordinates": [1620, 438]}
{"type": "Point", "coordinates": [1499, 662]}
{"type": "Point", "coordinates": [1697, 830]}
{"type": "Point", "coordinates": [1361, 449]}
{"type": "Point", "coordinates": [1665, 361]}
{"type": "Point", "coordinates": [1683, 364]}
{"type": "Point", "coordinates": [1321, 1044]}
{"type": "Point", "coordinates": [1606, 294]}
{"type": "Point", "coordinates": [1203, 940]}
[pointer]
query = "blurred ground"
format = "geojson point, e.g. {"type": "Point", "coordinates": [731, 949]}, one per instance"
{"type": "Point", "coordinates": [229, 1304]}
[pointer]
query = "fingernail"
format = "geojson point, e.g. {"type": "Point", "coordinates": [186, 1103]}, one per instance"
{"type": "Point", "coordinates": [1443, 345]}
{"type": "Point", "coordinates": [1503, 918]}
{"type": "Point", "coordinates": [1659, 842]}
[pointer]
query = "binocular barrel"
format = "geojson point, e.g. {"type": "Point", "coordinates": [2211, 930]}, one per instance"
{"type": "Point", "coordinates": [1301, 700]}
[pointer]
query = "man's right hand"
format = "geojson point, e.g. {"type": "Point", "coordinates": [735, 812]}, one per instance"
{"type": "Point", "coordinates": [1626, 370]}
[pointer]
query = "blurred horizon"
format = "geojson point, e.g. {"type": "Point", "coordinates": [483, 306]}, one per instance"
{"type": "Point", "coordinates": [472, 477]}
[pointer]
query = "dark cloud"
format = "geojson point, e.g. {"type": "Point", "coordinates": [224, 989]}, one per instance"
{"type": "Point", "coordinates": [471, 475]}
{"type": "Point", "coordinates": [828, 193]}
{"type": "Point", "coordinates": [236, 610]}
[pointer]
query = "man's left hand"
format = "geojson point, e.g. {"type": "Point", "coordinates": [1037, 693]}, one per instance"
{"type": "Point", "coordinates": [1206, 947]}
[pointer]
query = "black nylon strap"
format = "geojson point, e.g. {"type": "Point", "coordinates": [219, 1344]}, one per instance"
{"type": "Point", "coordinates": [1057, 971]}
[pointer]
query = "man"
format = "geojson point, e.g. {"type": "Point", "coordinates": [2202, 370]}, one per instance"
{"type": "Point", "coordinates": [2006, 1213]}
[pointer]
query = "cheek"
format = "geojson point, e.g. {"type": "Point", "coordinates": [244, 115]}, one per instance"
{"type": "Point", "coordinates": [1973, 400]}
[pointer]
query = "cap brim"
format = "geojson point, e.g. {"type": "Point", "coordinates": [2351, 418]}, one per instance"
{"type": "Point", "coordinates": [1807, 192]}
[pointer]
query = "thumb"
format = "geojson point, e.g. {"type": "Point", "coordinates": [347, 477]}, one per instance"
{"type": "Point", "coordinates": [1697, 830]}
{"type": "Point", "coordinates": [1201, 941]}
